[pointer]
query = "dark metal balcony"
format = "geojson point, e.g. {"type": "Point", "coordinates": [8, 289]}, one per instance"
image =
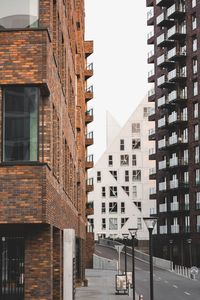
{"type": "Point", "coordinates": [175, 54]}
{"type": "Point", "coordinates": [89, 140]}
{"type": "Point", "coordinates": [177, 75]}
{"type": "Point", "coordinates": [175, 120]}
{"type": "Point", "coordinates": [150, 38]}
{"type": "Point", "coordinates": [151, 76]}
{"type": "Point", "coordinates": [163, 82]}
{"type": "Point", "coordinates": [165, 3]}
{"type": "Point", "coordinates": [176, 97]}
{"type": "Point", "coordinates": [162, 61]}
{"type": "Point", "coordinates": [176, 11]}
{"type": "Point", "coordinates": [152, 173]}
{"type": "Point", "coordinates": [176, 33]}
{"type": "Point", "coordinates": [152, 135]}
{"type": "Point", "coordinates": [89, 116]}
{"type": "Point", "coordinates": [152, 115]}
{"type": "Point", "coordinates": [151, 57]}
{"type": "Point", "coordinates": [89, 93]}
{"type": "Point", "coordinates": [151, 95]}
{"type": "Point", "coordinates": [163, 41]}
{"type": "Point", "coordinates": [89, 185]}
{"type": "Point", "coordinates": [89, 162]}
{"type": "Point", "coordinates": [163, 21]}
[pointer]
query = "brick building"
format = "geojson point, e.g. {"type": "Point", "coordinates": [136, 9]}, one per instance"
{"type": "Point", "coordinates": [43, 167]}
{"type": "Point", "coordinates": [175, 55]}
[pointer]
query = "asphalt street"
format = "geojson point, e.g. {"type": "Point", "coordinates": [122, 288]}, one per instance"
{"type": "Point", "coordinates": [167, 285]}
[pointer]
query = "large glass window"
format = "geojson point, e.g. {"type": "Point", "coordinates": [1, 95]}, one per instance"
{"type": "Point", "coordinates": [19, 14]}
{"type": "Point", "coordinates": [20, 122]}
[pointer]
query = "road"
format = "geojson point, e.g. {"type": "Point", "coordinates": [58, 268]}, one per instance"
{"type": "Point", "coordinates": [167, 285]}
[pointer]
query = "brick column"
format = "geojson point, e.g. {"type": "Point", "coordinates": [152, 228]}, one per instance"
{"type": "Point", "coordinates": [38, 263]}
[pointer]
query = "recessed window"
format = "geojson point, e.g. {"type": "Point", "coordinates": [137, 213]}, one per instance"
{"type": "Point", "coordinates": [197, 176]}
{"type": "Point", "coordinates": [136, 144]}
{"type": "Point", "coordinates": [110, 160]}
{"type": "Point", "coordinates": [113, 224]}
{"type": "Point", "coordinates": [194, 44]}
{"type": "Point", "coordinates": [195, 88]}
{"type": "Point", "coordinates": [138, 204]}
{"type": "Point", "coordinates": [122, 145]}
{"type": "Point", "coordinates": [196, 154]}
{"type": "Point", "coordinates": [98, 176]}
{"type": "Point", "coordinates": [20, 124]}
{"type": "Point", "coordinates": [126, 189]}
{"type": "Point", "coordinates": [194, 65]}
{"type": "Point", "coordinates": [134, 192]}
{"type": "Point", "coordinates": [127, 175]}
{"type": "Point", "coordinates": [122, 207]}
{"type": "Point", "coordinates": [113, 191]}
{"type": "Point", "coordinates": [19, 14]}
{"type": "Point", "coordinates": [103, 224]}
{"type": "Point", "coordinates": [134, 160]}
{"type": "Point", "coordinates": [196, 110]}
{"type": "Point", "coordinates": [139, 223]}
{"type": "Point", "coordinates": [123, 221]}
{"type": "Point", "coordinates": [194, 3]}
{"type": "Point", "coordinates": [135, 128]}
{"type": "Point", "coordinates": [124, 160]}
{"type": "Point", "coordinates": [114, 174]}
{"type": "Point", "coordinates": [196, 132]}
{"type": "Point", "coordinates": [194, 21]}
{"type": "Point", "coordinates": [136, 175]}
{"type": "Point", "coordinates": [103, 207]}
{"type": "Point", "coordinates": [103, 191]}
{"type": "Point", "coordinates": [113, 207]}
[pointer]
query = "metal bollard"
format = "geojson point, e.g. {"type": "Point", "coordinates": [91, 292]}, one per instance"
{"type": "Point", "coordinates": [141, 297]}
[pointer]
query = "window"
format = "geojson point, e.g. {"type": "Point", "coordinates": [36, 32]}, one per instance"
{"type": "Point", "coordinates": [103, 207]}
{"type": "Point", "coordinates": [123, 221]}
{"type": "Point", "coordinates": [98, 176]}
{"type": "Point", "coordinates": [194, 21]}
{"type": "Point", "coordinates": [110, 160]}
{"type": "Point", "coordinates": [139, 205]}
{"type": "Point", "coordinates": [187, 223]}
{"type": "Point", "coordinates": [195, 88]}
{"type": "Point", "coordinates": [127, 176]}
{"type": "Point", "coordinates": [113, 224]}
{"type": "Point", "coordinates": [114, 174]}
{"type": "Point", "coordinates": [113, 191]}
{"type": "Point", "coordinates": [194, 44]}
{"type": "Point", "coordinates": [185, 156]}
{"type": "Point", "coordinates": [196, 154]}
{"type": "Point", "coordinates": [197, 176]}
{"type": "Point", "coordinates": [194, 65]}
{"type": "Point", "coordinates": [194, 3]}
{"type": "Point", "coordinates": [103, 223]}
{"type": "Point", "coordinates": [139, 223]}
{"type": "Point", "coordinates": [134, 192]}
{"type": "Point", "coordinates": [187, 201]}
{"type": "Point", "coordinates": [134, 160]}
{"type": "Point", "coordinates": [126, 189]}
{"type": "Point", "coordinates": [198, 223]}
{"type": "Point", "coordinates": [136, 175]}
{"type": "Point", "coordinates": [135, 128]}
{"type": "Point", "coordinates": [113, 207]}
{"type": "Point", "coordinates": [122, 146]}
{"type": "Point", "coordinates": [124, 160]}
{"type": "Point", "coordinates": [103, 191]}
{"type": "Point", "coordinates": [197, 200]}
{"type": "Point", "coordinates": [136, 144]}
{"type": "Point", "coordinates": [186, 177]}
{"type": "Point", "coordinates": [196, 132]}
{"type": "Point", "coordinates": [25, 15]}
{"type": "Point", "coordinates": [122, 207]}
{"type": "Point", "coordinates": [195, 110]}
{"type": "Point", "coordinates": [146, 112]}
{"type": "Point", "coordinates": [20, 122]}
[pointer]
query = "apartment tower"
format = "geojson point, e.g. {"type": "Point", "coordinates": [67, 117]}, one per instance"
{"type": "Point", "coordinates": [175, 60]}
{"type": "Point", "coordinates": [44, 140]}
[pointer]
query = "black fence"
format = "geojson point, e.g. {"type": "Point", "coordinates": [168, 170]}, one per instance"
{"type": "Point", "coordinates": [11, 268]}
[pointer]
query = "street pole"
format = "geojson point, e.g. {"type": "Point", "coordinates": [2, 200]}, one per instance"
{"type": "Point", "coordinates": [133, 234]}
{"type": "Point", "coordinates": [125, 236]}
{"type": "Point", "coordinates": [190, 251]}
{"type": "Point", "coordinates": [170, 254]}
{"type": "Point", "coordinates": [151, 263]}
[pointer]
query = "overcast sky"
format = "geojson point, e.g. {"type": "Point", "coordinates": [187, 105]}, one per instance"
{"type": "Point", "coordinates": [118, 28]}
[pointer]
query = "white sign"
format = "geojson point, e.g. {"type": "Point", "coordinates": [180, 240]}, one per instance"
{"type": "Point", "coordinates": [119, 248]}
{"type": "Point", "coordinates": [194, 271]}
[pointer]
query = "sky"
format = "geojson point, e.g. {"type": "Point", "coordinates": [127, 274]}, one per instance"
{"type": "Point", "coordinates": [119, 31]}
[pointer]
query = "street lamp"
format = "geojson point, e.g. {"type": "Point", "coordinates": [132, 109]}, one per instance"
{"type": "Point", "coordinates": [170, 254]}
{"type": "Point", "coordinates": [125, 237]}
{"type": "Point", "coordinates": [190, 251]}
{"type": "Point", "coordinates": [150, 223]}
{"type": "Point", "coordinates": [133, 232]}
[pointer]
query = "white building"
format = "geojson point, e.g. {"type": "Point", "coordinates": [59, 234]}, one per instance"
{"type": "Point", "coordinates": [121, 178]}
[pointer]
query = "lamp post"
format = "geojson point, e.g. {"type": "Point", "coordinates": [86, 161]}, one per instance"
{"type": "Point", "coordinates": [125, 237]}
{"type": "Point", "coordinates": [150, 223]}
{"type": "Point", "coordinates": [170, 254]}
{"type": "Point", "coordinates": [190, 251]}
{"type": "Point", "coordinates": [133, 232]}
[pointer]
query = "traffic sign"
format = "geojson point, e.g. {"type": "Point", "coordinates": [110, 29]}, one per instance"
{"type": "Point", "coordinates": [194, 271]}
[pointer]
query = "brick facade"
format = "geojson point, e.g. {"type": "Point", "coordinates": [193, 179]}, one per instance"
{"type": "Point", "coordinates": [50, 193]}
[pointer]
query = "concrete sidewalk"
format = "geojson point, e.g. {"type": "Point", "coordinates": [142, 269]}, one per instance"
{"type": "Point", "coordinates": [101, 286]}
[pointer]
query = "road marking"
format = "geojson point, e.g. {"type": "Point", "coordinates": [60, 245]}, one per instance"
{"type": "Point", "coordinates": [187, 293]}
{"type": "Point", "coordinates": [175, 286]}
{"type": "Point", "coordinates": [98, 251]}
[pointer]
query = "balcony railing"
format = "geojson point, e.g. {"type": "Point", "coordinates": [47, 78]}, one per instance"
{"type": "Point", "coordinates": [175, 11]}
{"type": "Point", "coordinates": [173, 162]}
{"type": "Point", "coordinates": [152, 151]}
{"type": "Point", "coordinates": [161, 101]}
{"type": "Point", "coordinates": [162, 143]}
{"type": "Point", "coordinates": [174, 228]}
{"type": "Point", "coordinates": [175, 53]}
{"type": "Point", "coordinates": [173, 184]}
{"type": "Point", "coordinates": [176, 74]}
{"type": "Point", "coordinates": [150, 14]}
{"type": "Point", "coordinates": [151, 111]}
{"type": "Point", "coordinates": [175, 32]}
{"type": "Point", "coordinates": [152, 171]}
{"type": "Point", "coordinates": [173, 139]}
{"type": "Point", "coordinates": [163, 229]}
{"type": "Point", "coordinates": [152, 190]}
{"type": "Point", "coordinates": [174, 206]}
{"type": "Point", "coordinates": [174, 117]}
{"type": "Point", "coordinates": [161, 122]}
{"type": "Point", "coordinates": [162, 164]}
{"type": "Point", "coordinates": [150, 54]}
{"type": "Point", "coordinates": [161, 80]}
{"type": "Point", "coordinates": [152, 131]}
{"type": "Point", "coordinates": [162, 186]}
{"type": "Point", "coordinates": [150, 35]}
{"type": "Point", "coordinates": [163, 207]}
{"type": "Point", "coordinates": [151, 92]}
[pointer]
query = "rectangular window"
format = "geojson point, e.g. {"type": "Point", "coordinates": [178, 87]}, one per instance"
{"type": "Point", "coordinates": [196, 110]}
{"type": "Point", "coordinates": [194, 44]}
{"type": "Point", "coordinates": [122, 145]}
{"type": "Point", "coordinates": [98, 176]}
{"type": "Point", "coordinates": [122, 207]}
{"type": "Point", "coordinates": [194, 3]}
{"type": "Point", "coordinates": [136, 175]}
{"type": "Point", "coordinates": [197, 176]}
{"type": "Point", "coordinates": [126, 189]}
{"type": "Point", "coordinates": [194, 65]}
{"type": "Point", "coordinates": [196, 154]}
{"type": "Point", "coordinates": [186, 201]}
{"type": "Point", "coordinates": [194, 21]}
{"type": "Point", "coordinates": [139, 223]}
{"type": "Point", "coordinates": [113, 191]}
{"type": "Point", "coordinates": [124, 160]}
{"type": "Point", "coordinates": [110, 160]}
{"type": "Point", "coordinates": [114, 174]}
{"type": "Point", "coordinates": [134, 192]}
{"type": "Point", "coordinates": [136, 144]}
{"type": "Point", "coordinates": [103, 191]}
{"type": "Point", "coordinates": [197, 200]}
{"type": "Point", "coordinates": [198, 223]}
{"type": "Point", "coordinates": [123, 221]}
{"type": "Point", "coordinates": [20, 124]}
{"type": "Point", "coordinates": [126, 176]}
{"type": "Point", "coordinates": [146, 111]}
{"type": "Point", "coordinates": [135, 128]}
{"type": "Point", "coordinates": [196, 132]}
{"type": "Point", "coordinates": [113, 224]}
{"type": "Point", "coordinates": [134, 160]}
{"type": "Point", "coordinates": [113, 207]}
{"type": "Point", "coordinates": [103, 224]}
{"type": "Point", "coordinates": [23, 15]}
{"type": "Point", "coordinates": [103, 207]}
{"type": "Point", "coordinates": [139, 205]}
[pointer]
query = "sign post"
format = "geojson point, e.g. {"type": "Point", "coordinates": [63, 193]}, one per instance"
{"type": "Point", "coordinates": [119, 250]}
{"type": "Point", "coordinates": [194, 272]}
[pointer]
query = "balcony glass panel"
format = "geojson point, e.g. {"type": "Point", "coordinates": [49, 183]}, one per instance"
{"type": "Point", "coordinates": [160, 59]}
{"type": "Point", "coordinates": [173, 117]}
{"type": "Point", "coordinates": [152, 191]}
{"type": "Point", "coordinates": [161, 101]}
{"type": "Point", "coordinates": [150, 14]}
{"type": "Point", "coordinates": [173, 139]}
{"type": "Point", "coordinates": [161, 80]}
{"type": "Point", "coordinates": [173, 184]}
{"type": "Point", "coordinates": [174, 206]}
{"type": "Point", "coordinates": [152, 171]}
{"type": "Point", "coordinates": [19, 14]}
{"type": "Point", "coordinates": [162, 186]}
{"type": "Point", "coordinates": [172, 96]}
{"type": "Point", "coordinates": [152, 131]}
{"type": "Point", "coordinates": [161, 122]}
{"type": "Point", "coordinates": [163, 207]}
{"type": "Point", "coordinates": [160, 39]}
{"type": "Point", "coordinates": [152, 151]}
{"type": "Point", "coordinates": [163, 229]}
{"type": "Point", "coordinates": [162, 164]}
{"type": "Point", "coordinates": [151, 92]}
{"type": "Point", "coordinates": [173, 162]}
{"type": "Point", "coordinates": [162, 143]}
{"type": "Point", "coordinates": [174, 228]}
{"type": "Point", "coordinates": [160, 18]}
{"type": "Point", "coordinates": [150, 53]}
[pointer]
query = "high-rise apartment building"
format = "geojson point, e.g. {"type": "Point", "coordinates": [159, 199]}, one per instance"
{"type": "Point", "coordinates": [43, 168]}
{"type": "Point", "coordinates": [175, 59]}
{"type": "Point", "coordinates": [121, 178]}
